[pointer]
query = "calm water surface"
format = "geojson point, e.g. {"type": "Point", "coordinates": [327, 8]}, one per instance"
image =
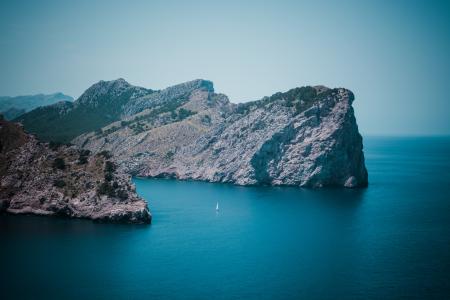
{"type": "Point", "coordinates": [391, 240]}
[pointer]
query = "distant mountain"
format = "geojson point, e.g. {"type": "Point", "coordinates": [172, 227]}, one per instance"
{"type": "Point", "coordinates": [13, 107]}
{"type": "Point", "coordinates": [98, 106]}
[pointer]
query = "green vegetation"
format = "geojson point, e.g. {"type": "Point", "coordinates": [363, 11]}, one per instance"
{"type": "Point", "coordinates": [110, 167]}
{"type": "Point", "coordinates": [106, 189]}
{"type": "Point", "coordinates": [138, 124]}
{"type": "Point", "coordinates": [184, 113]}
{"type": "Point", "coordinates": [83, 157]}
{"type": "Point", "coordinates": [112, 190]}
{"type": "Point", "coordinates": [106, 131]}
{"type": "Point", "coordinates": [59, 163]}
{"type": "Point", "coordinates": [138, 127]}
{"type": "Point", "coordinates": [300, 98]}
{"type": "Point", "coordinates": [170, 154]}
{"type": "Point", "coordinates": [108, 176]}
{"type": "Point", "coordinates": [109, 170]}
{"type": "Point", "coordinates": [292, 96]}
{"type": "Point", "coordinates": [64, 121]}
{"type": "Point", "coordinates": [59, 183]}
{"type": "Point", "coordinates": [122, 194]}
{"type": "Point", "coordinates": [206, 119]}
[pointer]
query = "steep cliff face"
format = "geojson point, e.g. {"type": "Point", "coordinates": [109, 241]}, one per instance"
{"type": "Point", "coordinates": [306, 137]}
{"type": "Point", "coordinates": [45, 179]}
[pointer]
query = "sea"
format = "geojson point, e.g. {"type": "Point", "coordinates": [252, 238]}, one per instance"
{"type": "Point", "coordinates": [388, 241]}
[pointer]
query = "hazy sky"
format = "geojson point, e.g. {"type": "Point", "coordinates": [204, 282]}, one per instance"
{"type": "Point", "coordinates": [393, 56]}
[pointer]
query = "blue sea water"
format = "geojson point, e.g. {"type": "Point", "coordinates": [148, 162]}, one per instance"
{"type": "Point", "coordinates": [389, 241]}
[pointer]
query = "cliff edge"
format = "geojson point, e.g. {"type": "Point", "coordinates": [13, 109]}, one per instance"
{"type": "Point", "coordinates": [53, 179]}
{"type": "Point", "coordinates": [306, 137]}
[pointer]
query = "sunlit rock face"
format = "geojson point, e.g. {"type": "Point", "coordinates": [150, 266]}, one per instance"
{"type": "Point", "coordinates": [306, 137]}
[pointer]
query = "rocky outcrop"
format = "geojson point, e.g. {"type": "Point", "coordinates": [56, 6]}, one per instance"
{"type": "Point", "coordinates": [305, 137]}
{"type": "Point", "coordinates": [51, 179]}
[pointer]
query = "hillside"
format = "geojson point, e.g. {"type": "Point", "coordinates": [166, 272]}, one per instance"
{"type": "Point", "coordinates": [98, 106]}
{"type": "Point", "coordinates": [306, 136]}
{"type": "Point", "coordinates": [52, 179]}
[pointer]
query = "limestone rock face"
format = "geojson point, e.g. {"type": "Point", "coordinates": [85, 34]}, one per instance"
{"type": "Point", "coordinates": [43, 179]}
{"type": "Point", "coordinates": [307, 137]}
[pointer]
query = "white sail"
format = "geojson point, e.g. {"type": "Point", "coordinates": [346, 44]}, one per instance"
{"type": "Point", "coordinates": [217, 206]}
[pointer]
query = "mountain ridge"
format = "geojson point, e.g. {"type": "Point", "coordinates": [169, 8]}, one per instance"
{"type": "Point", "coordinates": [245, 143]}
{"type": "Point", "coordinates": [98, 106]}
{"type": "Point", "coordinates": [306, 136]}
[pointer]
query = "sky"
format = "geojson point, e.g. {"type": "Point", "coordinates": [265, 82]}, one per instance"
{"type": "Point", "coordinates": [394, 55]}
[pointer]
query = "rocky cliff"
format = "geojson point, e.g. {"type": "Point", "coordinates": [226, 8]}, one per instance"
{"type": "Point", "coordinates": [53, 179]}
{"type": "Point", "coordinates": [304, 137]}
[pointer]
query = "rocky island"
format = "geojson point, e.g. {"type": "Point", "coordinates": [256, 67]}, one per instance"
{"type": "Point", "coordinates": [305, 137]}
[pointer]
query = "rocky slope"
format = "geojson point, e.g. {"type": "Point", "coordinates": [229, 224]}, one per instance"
{"type": "Point", "coordinates": [98, 106]}
{"type": "Point", "coordinates": [305, 137]}
{"type": "Point", "coordinates": [52, 179]}
{"type": "Point", "coordinates": [13, 107]}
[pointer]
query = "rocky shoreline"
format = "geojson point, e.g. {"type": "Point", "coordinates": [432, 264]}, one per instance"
{"type": "Point", "coordinates": [305, 137]}
{"type": "Point", "coordinates": [51, 179]}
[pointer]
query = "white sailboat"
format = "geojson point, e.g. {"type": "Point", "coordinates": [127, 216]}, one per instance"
{"type": "Point", "coordinates": [217, 206]}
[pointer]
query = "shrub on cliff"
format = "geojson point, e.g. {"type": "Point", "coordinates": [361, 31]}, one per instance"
{"type": "Point", "coordinates": [106, 154]}
{"type": "Point", "coordinates": [110, 167]}
{"type": "Point", "coordinates": [106, 189]}
{"type": "Point", "coordinates": [170, 154]}
{"type": "Point", "coordinates": [108, 176]}
{"type": "Point", "coordinates": [59, 163]}
{"type": "Point", "coordinates": [184, 113]}
{"type": "Point", "coordinates": [122, 194]}
{"type": "Point", "coordinates": [83, 158]}
{"type": "Point", "coordinates": [59, 183]}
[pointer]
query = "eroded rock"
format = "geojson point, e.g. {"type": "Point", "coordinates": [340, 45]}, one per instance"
{"type": "Point", "coordinates": [49, 179]}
